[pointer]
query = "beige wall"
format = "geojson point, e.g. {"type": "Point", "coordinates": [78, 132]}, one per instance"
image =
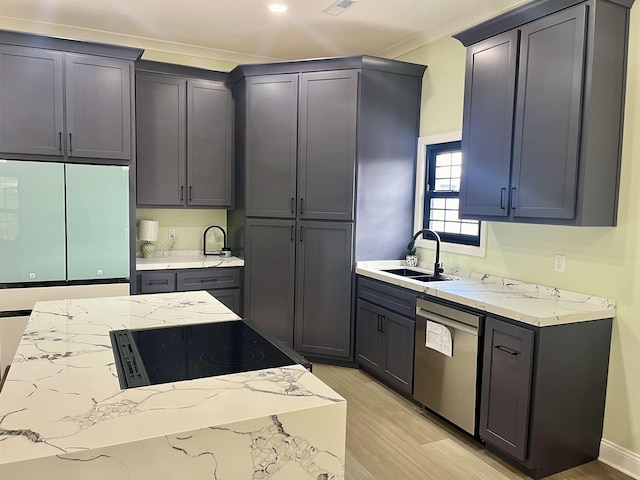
{"type": "Point", "coordinates": [599, 261]}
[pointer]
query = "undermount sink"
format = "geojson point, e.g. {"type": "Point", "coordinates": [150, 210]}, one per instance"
{"type": "Point", "coordinates": [405, 272]}
{"type": "Point", "coordinates": [419, 276]}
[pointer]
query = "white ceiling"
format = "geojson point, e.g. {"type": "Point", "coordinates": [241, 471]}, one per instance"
{"type": "Point", "coordinates": [245, 30]}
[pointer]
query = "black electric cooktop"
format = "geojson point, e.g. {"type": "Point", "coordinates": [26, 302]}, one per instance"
{"type": "Point", "coordinates": [170, 354]}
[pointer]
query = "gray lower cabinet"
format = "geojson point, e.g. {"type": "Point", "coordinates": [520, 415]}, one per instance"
{"type": "Point", "coordinates": [184, 141]}
{"type": "Point", "coordinates": [543, 392]}
{"type": "Point", "coordinates": [270, 271]}
{"type": "Point", "coordinates": [385, 343]}
{"type": "Point", "coordinates": [385, 331]}
{"type": "Point", "coordinates": [64, 105]}
{"type": "Point", "coordinates": [223, 283]}
{"type": "Point", "coordinates": [542, 124]}
{"type": "Point", "coordinates": [324, 259]}
{"type": "Point", "coordinates": [506, 386]}
{"type": "Point", "coordinates": [307, 267]}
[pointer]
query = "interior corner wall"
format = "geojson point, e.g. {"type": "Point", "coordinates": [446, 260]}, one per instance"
{"type": "Point", "coordinates": [602, 261]}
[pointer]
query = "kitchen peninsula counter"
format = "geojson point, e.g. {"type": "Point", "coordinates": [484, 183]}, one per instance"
{"type": "Point", "coordinates": [536, 305]}
{"type": "Point", "coordinates": [63, 414]}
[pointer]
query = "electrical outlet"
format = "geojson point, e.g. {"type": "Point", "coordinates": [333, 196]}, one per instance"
{"type": "Point", "coordinates": [172, 234]}
{"type": "Point", "coordinates": [559, 263]}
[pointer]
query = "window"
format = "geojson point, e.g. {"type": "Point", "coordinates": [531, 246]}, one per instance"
{"type": "Point", "coordinates": [441, 203]}
{"type": "Point", "coordinates": [437, 190]}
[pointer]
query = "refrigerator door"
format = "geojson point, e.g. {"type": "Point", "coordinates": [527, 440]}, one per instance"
{"type": "Point", "coordinates": [97, 222]}
{"type": "Point", "coordinates": [32, 234]}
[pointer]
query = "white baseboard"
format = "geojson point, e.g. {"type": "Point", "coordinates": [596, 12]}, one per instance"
{"type": "Point", "coordinates": [620, 458]}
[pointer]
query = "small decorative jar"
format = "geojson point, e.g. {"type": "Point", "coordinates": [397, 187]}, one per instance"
{"type": "Point", "coordinates": [412, 260]}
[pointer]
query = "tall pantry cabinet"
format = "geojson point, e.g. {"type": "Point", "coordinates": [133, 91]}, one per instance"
{"type": "Point", "coordinates": [326, 161]}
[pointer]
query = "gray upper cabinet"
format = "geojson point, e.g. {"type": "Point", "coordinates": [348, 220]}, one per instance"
{"type": "Point", "coordinates": [66, 105]}
{"type": "Point", "coordinates": [271, 145]}
{"type": "Point", "coordinates": [544, 102]}
{"type": "Point", "coordinates": [161, 109]}
{"type": "Point", "coordinates": [209, 143]}
{"type": "Point", "coordinates": [98, 99]}
{"type": "Point", "coordinates": [547, 121]}
{"type": "Point", "coordinates": [487, 129]}
{"type": "Point", "coordinates": [327, 149]}
{"type": "Point", "coordinates": [184, 141]}
{"type": "Point", "coordinates": [31, 95]}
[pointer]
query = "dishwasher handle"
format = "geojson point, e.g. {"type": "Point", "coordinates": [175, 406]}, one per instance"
{"type": "Point", "coordinates": [421, 312]}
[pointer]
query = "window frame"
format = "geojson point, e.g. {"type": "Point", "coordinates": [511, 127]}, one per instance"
{"type": "Point", "coordinates": [421, 172]}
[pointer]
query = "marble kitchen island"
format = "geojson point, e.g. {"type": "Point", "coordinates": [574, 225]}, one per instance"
{"type": "Point", "coordinates": [63, 414]}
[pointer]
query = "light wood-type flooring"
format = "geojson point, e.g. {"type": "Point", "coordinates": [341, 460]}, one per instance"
{"type": "Point", "coordinates": [390, 438]}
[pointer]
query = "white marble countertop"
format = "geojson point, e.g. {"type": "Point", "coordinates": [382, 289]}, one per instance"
{"type": "Point", "coordinates": [62, 396]}
{"type": "Point", "coordinates": [533, 304]}
{"type": "Point", "coordinates": [171, 260]}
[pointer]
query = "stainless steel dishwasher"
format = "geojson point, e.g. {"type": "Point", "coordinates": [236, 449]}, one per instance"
{"type": "Point", "coordinates": [446, 362]}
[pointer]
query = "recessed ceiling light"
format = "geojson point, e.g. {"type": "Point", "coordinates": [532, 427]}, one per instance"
{"type": "Point", "coordinates": [278, 7]}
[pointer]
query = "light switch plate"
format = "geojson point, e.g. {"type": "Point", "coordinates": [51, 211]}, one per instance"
{"type": "Point", "coordinates": [559, 263]}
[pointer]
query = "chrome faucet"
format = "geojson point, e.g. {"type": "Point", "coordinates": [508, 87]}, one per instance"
{"type": "Point", "coordinates": [437, 266]}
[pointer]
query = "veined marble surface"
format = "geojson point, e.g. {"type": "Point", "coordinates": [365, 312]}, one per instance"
{"type": "Point", "coordinates": [63, 414]}
{"type": "Point", "coordinates": [171, 260]}
{"type": "Point", "coordinates": [533, 304]}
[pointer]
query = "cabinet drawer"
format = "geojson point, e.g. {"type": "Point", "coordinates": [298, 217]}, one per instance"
{"type": "Point", "coordinates": [209, 279]}
{"type": "Point", "coordinates": [157, 282]}
{"type": "Point", "coordinates": [397, 299]}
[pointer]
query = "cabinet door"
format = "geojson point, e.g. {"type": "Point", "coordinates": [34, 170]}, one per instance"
{"type": "Point", "coordinates": [31, 115]}
{"type": "Point", "coordinates": [11, 331]}
{"type": "Point", "coordinates": [270, 149]}
{"type": "Point", "coordinates": [489, 97]}
{"type": "Point", "coordinates": [269, 276]}
{"type": "Point", "coordinates": [327, 149]}
{"type": "Point", "coordinates": [548, 115]}
{"type": "Point", "coordinates": [369, 336]}
{"type": "Point", "coordinates": [324, 261]}
{"type": "Point", "coordinates": [161, 109]}
{"type": "Point", "coordinates": [230, 298]}
{"type": "Point", "coordinates": [399, 333]}
{"type": "Point", "coordinates": [506, 386]}
{"type": "Point", "coordinates": [209, 143]}
{"type": "Point", "coordinates": [32, 222]}
{"type": "Point", "coordinates": [97, 222]}
{"type": "Point", "coordinates": [98, 106]}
